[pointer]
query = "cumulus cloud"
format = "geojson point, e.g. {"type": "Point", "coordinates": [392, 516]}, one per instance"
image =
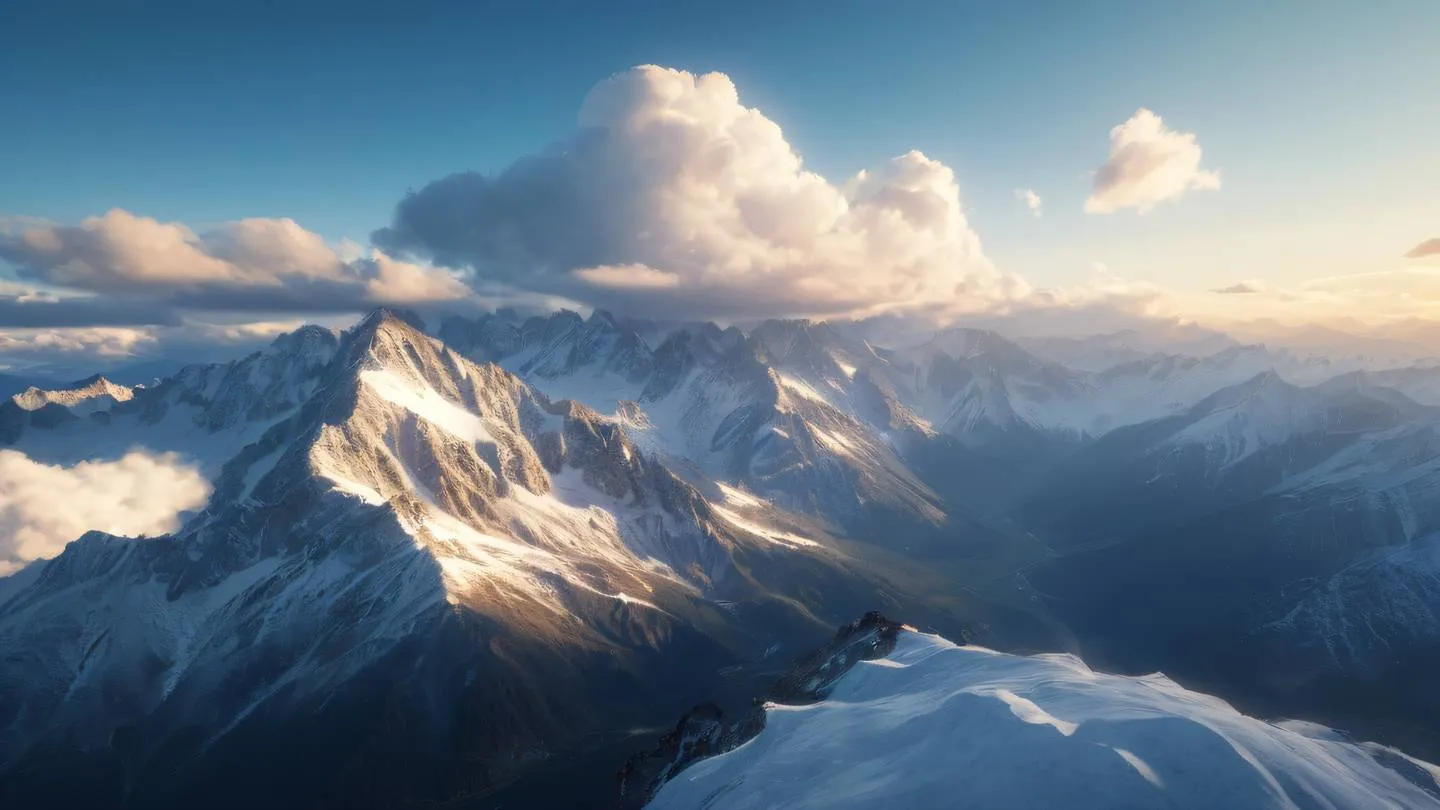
{"type": "Point", "coordinates": [43, 507]}
{"type": "Point", "coordinates": [1031, 199]}
{"type": "Point", "coordinates": [248, 265]}
{"type": "Point", "coordinates": [673, 197]}
{"type": "Point", "coordinates": [1430, 247]}
{"type": "Point", "coordinates": [1148, 164]}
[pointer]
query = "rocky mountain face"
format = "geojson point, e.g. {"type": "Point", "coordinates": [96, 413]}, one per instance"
{"type": "Point", "coordinates": [776, 411]}
{"type": "Point", "coordinates": [709, 730]}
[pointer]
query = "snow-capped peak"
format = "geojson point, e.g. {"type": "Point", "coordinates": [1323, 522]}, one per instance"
{"type": "Point", "coordinates": [516, 497]}
{"type": "Point", "coordinates": [1265, 411]}
{"type": "Point", "coordinates": [97, 393]}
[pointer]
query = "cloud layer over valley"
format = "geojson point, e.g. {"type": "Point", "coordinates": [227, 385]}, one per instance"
{"type": "Point", "coordinates": [44, 507]}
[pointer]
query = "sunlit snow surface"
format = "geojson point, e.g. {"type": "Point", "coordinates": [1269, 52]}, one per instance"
{"type": "Point", "coordinates": [935, 725]}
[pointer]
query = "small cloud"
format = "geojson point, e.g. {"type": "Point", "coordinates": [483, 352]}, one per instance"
{"type": "Point", "coordinates": [1426, 249]}
{"type": "Point", "coordinates": [1148, 164]}
{"type": "Point", "coordinates": [1241, 288]}
{"type": "Point", "coordinates": [1031, 200]}
{"type": "Point", "coordinates": [632, 276]}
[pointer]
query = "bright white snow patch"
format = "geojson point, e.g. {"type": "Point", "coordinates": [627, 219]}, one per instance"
{"type": "Point", "coordinates": [798, 386]}
{"type": "Point", "coordinates": [761, 531]}
{"type": "Point", "coordinates": [935, 725]}
{"type": "Point", "coordinates": [739, 497]}
{"type": "Point", "coordinates": [422, 401]}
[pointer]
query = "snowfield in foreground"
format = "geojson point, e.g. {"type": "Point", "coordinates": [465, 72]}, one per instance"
{"type": "Point", "coordinates": [935, 725]}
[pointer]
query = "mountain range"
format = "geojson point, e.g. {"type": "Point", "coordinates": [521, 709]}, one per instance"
{"type": "Point", "coordinates": [485, 559]}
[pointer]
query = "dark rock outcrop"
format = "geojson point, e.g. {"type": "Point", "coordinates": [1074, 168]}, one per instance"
{"type": "Point", "coordinates": [709, 729]}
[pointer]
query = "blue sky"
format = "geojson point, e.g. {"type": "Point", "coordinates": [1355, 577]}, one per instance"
{"type": "Point", "coordinates": [1320, 117]}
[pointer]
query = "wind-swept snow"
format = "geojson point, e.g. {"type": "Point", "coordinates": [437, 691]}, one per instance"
{"type": "Point", "coordinates": [934, 725]}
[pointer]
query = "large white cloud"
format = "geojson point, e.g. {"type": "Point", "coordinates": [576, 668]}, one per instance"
{"type": "Point", "coordinates": [43, 507]}
{"type": "Point", "coordinates": [1148, 164]}
{"type": "Point", "coordinates": [672, 198]}
{"type": "Point", "coordinates": [248, 265]}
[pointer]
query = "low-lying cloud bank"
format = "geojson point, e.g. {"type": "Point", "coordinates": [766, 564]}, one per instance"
{"type": "Point", "coordinates": [44, 507]}
{"type": "Point", "coordinates": [142, 264]}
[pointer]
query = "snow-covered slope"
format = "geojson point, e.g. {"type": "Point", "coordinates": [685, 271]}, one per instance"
{"type": "Point", "coordinates": [934, 725]}
{"type": "Point", "coordinates": [740, 420]}
{"type": "Point", "coordinates": [597, 360]}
